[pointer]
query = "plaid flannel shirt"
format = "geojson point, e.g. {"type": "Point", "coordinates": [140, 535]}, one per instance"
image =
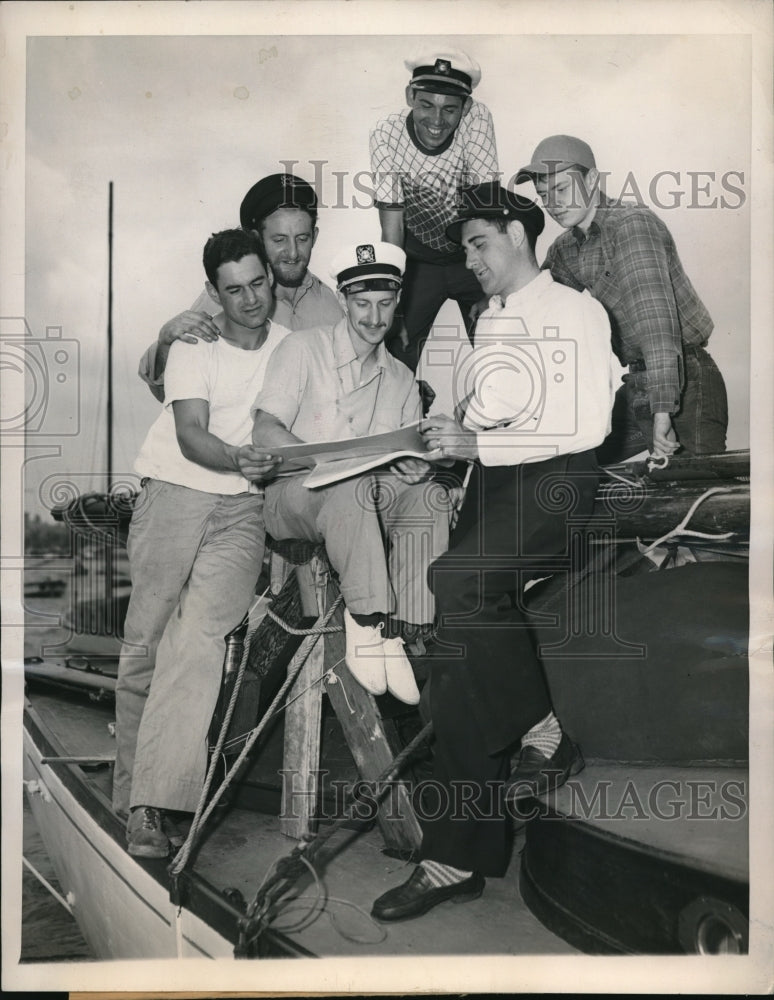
{"type": "Point", "coordinates": [629, 262]}
{"type": "Point", "coordinates": [426, 185]}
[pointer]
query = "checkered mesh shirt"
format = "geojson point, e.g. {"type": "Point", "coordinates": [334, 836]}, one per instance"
{"type": "Point", "coordinates": [427, 186]}
{"type": "Point", "coordinates": [629, 262]}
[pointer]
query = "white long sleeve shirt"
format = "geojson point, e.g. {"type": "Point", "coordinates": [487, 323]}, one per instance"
{"type": "Point", "coordinates": [541, 379]}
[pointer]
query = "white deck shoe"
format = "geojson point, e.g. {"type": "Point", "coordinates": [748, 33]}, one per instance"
{"type": "Point", "coordinates": [400, 674]}
{"type": "Point", "coordinates": [364, 654]}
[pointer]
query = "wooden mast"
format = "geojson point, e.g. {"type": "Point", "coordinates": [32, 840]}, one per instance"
{"type": "Point", "coordinates": [110, 342]}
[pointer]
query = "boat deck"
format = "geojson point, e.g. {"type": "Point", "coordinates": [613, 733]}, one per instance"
{"type": "Point", "coordinates": [242, 847]}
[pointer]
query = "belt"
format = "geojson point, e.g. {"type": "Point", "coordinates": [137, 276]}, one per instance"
{"type": "Point", "coordinates": [637, 366]}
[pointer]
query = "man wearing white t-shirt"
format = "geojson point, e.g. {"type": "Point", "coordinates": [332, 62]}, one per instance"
{"type": "Point", "coordinates": [195, 546]}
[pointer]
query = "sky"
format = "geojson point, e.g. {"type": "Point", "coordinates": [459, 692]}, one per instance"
{"type": "Point", "coordinates": [183, 126]}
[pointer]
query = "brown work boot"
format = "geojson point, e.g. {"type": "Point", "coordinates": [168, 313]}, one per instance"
{"type": "Point", "coordinates": [145, 835]}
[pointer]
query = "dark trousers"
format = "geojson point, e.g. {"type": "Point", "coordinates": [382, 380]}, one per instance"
{"type": "Point", "coordinates": [486, 686]}
{"type": "Point", "coordinates": [700, 424]}
{"type": "Point", "coordinates": [425, 289]}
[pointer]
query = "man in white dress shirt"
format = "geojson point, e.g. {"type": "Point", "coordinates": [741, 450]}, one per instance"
{"type": "Point", "coordinates": [535, 400]}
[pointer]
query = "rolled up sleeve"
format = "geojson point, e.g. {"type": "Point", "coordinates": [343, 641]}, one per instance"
{"type": "Point", "coordinates": [146, 369]}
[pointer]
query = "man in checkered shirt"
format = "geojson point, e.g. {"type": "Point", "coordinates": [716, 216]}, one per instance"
{"type": "Point", "coordinates": [674, 395]}
{"type": "Point", "coordinates": [421, 157]}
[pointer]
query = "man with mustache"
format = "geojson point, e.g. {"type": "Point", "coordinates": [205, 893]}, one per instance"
{"type": "Point", "coordinates": [282, 209]}
{"type": "Point", "coordinates": [380, 529]}
{"type": "Point", "coordinates": [421, 158]}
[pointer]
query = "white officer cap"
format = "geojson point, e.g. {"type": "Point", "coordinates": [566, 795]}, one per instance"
{"type": "Point", "coordinates": [450, 71]}
{"type": "Point", "coordinates": [361, 267]}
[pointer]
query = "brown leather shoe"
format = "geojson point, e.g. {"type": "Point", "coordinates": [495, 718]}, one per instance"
{"type": "Point", "coordinates": [174, 834]}
{"type": "Point", "coordinates": [418, 895]}
{"type": "Point", "coordinates": [535, 774]}
{"type": "Point", "coordinates": [144, 834]}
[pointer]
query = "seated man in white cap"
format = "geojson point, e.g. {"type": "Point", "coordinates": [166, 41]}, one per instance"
{"type": "Point", "coordinates": [282, 209]}
{"type": "Point", "coordinates": [421, 158]}
{"type": "Point", "coordinates": [674, 395]}
{"type": "Point", "coordinates": [382, 529]}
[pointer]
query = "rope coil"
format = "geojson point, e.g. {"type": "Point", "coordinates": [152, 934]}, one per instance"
{"type": "Point", "coordinates": [313, 630]}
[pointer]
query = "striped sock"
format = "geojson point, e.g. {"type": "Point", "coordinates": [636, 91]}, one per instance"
{"type": "Point", "coordinates": [441, 875]}
{"type": "Point", "coordinates": [545, 736]}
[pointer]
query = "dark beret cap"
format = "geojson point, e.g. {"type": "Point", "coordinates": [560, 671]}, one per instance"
{"type": "Point", "coordinates": [273, 192]}
{"type": "Point", "coordinates": [492, 201]}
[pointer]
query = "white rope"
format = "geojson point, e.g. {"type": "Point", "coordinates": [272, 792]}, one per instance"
{"type": "Point", "coordinates": [59, 898]}
{"type": "Point", "coordinates": [658, 463]}
{"type": "Point", "coordinates": [202, 814]}
{"type": "Point", "coordinates": [681, 528]}
{"type": "Point", "coordinates": [620, 478]}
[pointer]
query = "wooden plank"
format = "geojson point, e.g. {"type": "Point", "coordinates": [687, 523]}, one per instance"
{"type": "Point", "coordinates": [373, 745]}
{"type": "Point", "coordinates": [303, 717]}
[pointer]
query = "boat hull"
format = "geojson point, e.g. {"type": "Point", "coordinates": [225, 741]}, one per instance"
{"type": "Point", "coordinates": [122, 908]}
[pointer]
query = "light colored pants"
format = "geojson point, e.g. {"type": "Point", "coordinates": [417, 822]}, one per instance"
{"type": "Point", "coordinates": [380, 536]}
{"type": "Point", "coordinates": [195, 559]}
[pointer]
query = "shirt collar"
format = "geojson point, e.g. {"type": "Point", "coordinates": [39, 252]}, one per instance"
{"type": "Point", "coordinates": [517, 299]}
{"type": "Point", "coordinates": [603, 210]}
{"type": "Point", "coordinates": [344, 352]}
{"type": "Point", "coordinates": [289, 294]}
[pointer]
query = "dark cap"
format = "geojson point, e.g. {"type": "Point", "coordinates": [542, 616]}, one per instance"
{"type": "Point", "coordinates": [492, 201]}
{"type": "Point", "coordinates": [556, 153]}
{"type": "Point", "coordinates": [273, 192]}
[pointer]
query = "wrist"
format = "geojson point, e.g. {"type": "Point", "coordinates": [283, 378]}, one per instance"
{"type": "Point", "coordinates": [232, 455]}
{"type": "Point", "coordinates": [166, 336]}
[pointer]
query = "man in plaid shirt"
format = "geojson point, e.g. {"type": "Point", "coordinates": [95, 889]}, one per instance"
{"type": "Point", "coordinates": [421, 158]}
{"type": "Point", "coordinates": [673, 395]}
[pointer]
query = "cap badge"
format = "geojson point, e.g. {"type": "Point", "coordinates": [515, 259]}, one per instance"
{"type": "Point", "coordinates": [442, 66]}
{"type": "Point", "coordinates": [366, 254]}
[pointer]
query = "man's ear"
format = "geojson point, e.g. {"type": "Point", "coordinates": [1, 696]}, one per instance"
{"type": "Point", "coordinates": [516, 232]}
{"type": "Point", "coordinates": [410, 95]}
{"type": "Point", "coordinates": [212, 291]}
{"type": "Point", "coordinates": [315, 231]}
{"type": "Point", "coordinates": [467, 106]}
{"type": "Point", "coordinates": [592, 179]}
{"type": "Point", "coordinates": [342, 301]}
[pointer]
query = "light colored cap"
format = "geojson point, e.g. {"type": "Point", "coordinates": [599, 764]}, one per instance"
{"type": "Point", "coordinates": [557, 152]}
{"type": "Point", "coordinates": [372, 265]}
{"type": "Point", "coordinates": [450, 71]}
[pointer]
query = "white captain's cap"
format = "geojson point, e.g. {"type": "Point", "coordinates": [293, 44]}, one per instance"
{"type": "Point", "coordinates": [360, 267]}
{"type": "Point", "coordinates": [448, 72]}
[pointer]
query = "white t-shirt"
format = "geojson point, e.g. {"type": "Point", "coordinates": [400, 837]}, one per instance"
{"type": "Point", "coordinates": [228, 378]}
